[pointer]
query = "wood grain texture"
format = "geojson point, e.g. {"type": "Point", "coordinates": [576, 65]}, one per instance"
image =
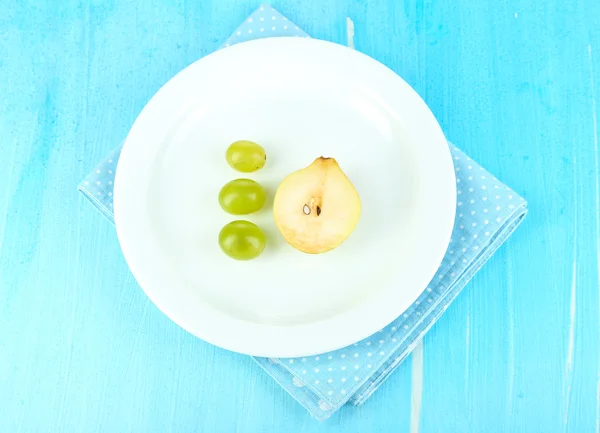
{"type": "Point", "coordinates": [514, 83]}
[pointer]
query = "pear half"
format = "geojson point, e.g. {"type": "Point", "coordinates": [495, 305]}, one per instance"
{"type": "Point", "coordinates": [316, 208]}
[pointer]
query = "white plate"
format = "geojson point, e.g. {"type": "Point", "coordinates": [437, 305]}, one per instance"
{"type": "Point", "coordinates": [299, 98]}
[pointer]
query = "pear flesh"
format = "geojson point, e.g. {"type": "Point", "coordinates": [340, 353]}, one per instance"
{"type": "Point", "coordinates": [316, 208]}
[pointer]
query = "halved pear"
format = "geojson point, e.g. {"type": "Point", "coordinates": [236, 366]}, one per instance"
{"type": "Point", "coordinates": [316, 208]}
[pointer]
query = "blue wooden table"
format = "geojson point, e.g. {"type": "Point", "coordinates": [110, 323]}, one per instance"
{"type": "Point", "coordinates": [515, 83]}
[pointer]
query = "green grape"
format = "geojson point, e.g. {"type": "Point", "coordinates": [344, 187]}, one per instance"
{"type": "Point", "coordinates": [242, 196]}
{"type": "Point", "coordinates": [246, 156]}
{"type": "Point", "coordinates": [242, 240]}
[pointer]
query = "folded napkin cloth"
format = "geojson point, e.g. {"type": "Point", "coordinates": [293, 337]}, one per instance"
{"type": "Point", "coordinates": [487, 213]}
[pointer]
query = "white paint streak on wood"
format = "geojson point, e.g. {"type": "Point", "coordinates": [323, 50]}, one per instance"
{"type": "Point", "coordinates": [9, 186]}
{"type": "Point", "coordinates": [597, 172]}
{"type": "Point", "coordinates": [350, 32]}
{"type": "Point", "coordinates": [570, 352]}
{"type": "Point", "coordinates": [595, 131]}
{"type": "Point", "coordinates": [598, 406]}
{"type": "Point", "coordinates": [468, 331]}
{"type": "Point", "coordinates": [467, 344]}
{"type": "Point", "coordinates": [511, 337]}
{"type": "Point", "coordinates": [572, 316]}
{"type": "Point", "coordinates": [416, 396]}
{"type": "Point", "coordinates": [173, 402]}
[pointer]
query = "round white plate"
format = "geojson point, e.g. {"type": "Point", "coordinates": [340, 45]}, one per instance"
{"type": "Point", "coordinates": [300, 99]}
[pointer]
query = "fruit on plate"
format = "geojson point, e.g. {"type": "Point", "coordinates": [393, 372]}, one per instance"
{"type": "Point", "coordinates": [316, 208]}
{"type": "Point", "coordinates": [246, 156]}
{"type": "Point", "coordinates": [242, 196]}
{"type": "Point", "coordinates": [242, 240]}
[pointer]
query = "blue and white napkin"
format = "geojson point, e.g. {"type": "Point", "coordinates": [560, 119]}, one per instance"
{"type": "Point", "coordinates": [487, 213]}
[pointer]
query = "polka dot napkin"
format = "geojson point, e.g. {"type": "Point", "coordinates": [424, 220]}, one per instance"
{"type": "Point", "coordinates": [487, 213]}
